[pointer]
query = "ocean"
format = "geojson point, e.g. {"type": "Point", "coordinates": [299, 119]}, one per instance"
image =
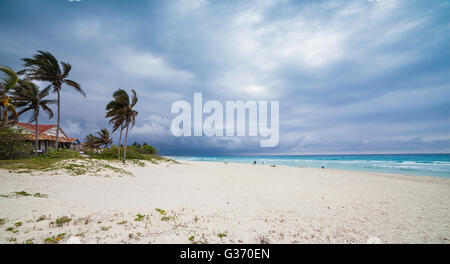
{"type": "Point", "coordinates": [437, 165]}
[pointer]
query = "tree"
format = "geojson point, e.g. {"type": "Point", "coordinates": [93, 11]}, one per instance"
{"type": "Point", "coordinates": [45, 67]}
{"type": "Point", "coordinates": [28, 97]}
{"type": "Point", "coordinates": [103, 138]}
{"type": "Point", "coordinates": [8, 112]}
{"type": "Point", "coordinates": [122, 113]}
{"type": "Point", "coordinates": [13, 145]}
{"type": "Point", "coordinates": [113, 110]}
{"type": "Point", "coordinates": [91, 141]}
{"type": "Point", "coordinates": [129, 116]}
{"type": "Point", "coordinates": [148, 149]}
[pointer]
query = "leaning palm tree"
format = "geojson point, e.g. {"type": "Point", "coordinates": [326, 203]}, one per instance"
{"type": "Point", "coordinates": [45, 67]}
{"type": "Point", "coordinates": [103, 138]}
{"type": "Point", "coordinates": [28, 97]}
{"type": "Point", "coordinates": [113, 109]}
{"type": "Point", "coordinates": [91, 141]}
{"type": "Point", "coordinates": [122, 113]}
{"type": "Point", "coordinates": [129, 116]}
{"type": "Point", "coordinates": [7, 110]}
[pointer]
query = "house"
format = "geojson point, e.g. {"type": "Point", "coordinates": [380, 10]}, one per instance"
{"type": "Point", "coordinates": [47, 137]}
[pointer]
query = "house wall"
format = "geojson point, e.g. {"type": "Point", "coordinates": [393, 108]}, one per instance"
{"type": "Point", "coordinates": [24, 130]}
{"type": "Point", "coordinates": [52, 132]}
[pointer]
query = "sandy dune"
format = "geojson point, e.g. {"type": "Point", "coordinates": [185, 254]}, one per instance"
{"type": "Point", "coordinates": [224, 203]}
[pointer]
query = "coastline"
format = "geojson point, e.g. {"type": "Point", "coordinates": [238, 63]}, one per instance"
{"type": "Point", "coordinates": [437, 165]}
{"type": "Point", "coordinates": [362, 173]}
{"type": "Point", "coordinates": [226, 203]}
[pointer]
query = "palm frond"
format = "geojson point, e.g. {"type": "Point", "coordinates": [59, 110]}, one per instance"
{"type": "Point", "coordinates": [75, 85]}
{"type": "Point", "coordinates": [10, 80]}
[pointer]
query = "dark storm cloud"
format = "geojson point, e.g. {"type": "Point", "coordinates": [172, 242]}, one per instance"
{"type": "Point", "coordinates": [351, 76]}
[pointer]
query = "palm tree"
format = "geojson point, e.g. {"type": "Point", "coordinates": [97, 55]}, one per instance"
{"type": "Point", "coordinates": [7, 110]}
{"type": "Point", "coordinates": [103, 138]}
{"type": "Point", "coordinates": [91, 141]}
{"type": "Point", "coordinates": [122, 113]}
{"type": "Point", "coordinates": [129, 115]}
{"type": "Point", "coordinates": [114, 108]}
{"type": "Point", "coordinates": [45, 67]}
{"type": "Point", "coordinates": [28, 97]}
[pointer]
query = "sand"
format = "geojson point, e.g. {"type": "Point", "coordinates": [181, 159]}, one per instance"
{"type": "Point", "coordinates": [206, 202]}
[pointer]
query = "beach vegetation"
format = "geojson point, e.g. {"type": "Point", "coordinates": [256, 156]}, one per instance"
{"type": "Point", "coordinates": [133, 153]}
{"type": "Point", "coordinates": [2, 221]}
{"type": "Point", "coordinates": [122, 222]}
{"type": "Point", "coordinates": [148, 149]}
{"type": "Point", "coordinates": [28, 164]}
{"type": "Point", "coordinates": [76, 169]}
{"type": "Point", "coordinates": [140, 217]}
{"type": "Point", "coordinates": [105, 228]}
{"type": "Point", "coordinates": [12, 229]}
{"type": "Point", "coordinates": [61, 221]}
{"type": "Point", "coordinates": [43, 162]}
{"type": "Point", "coordinates": [222, 235]}
{"type": "Point", "coordinates": [161, 211]}
{"type": "Point", "coordinates": [168, 218]}
{"type": "Point", "coordinates": [22, 193]}
{"type": "Point", "coordinates": [140, 163]}
{"type": "Point", "coordinates": [12, 145]}
{"type": "Point", "coordinates": [17, 224]}
{"type": "Point", "coordinates": [191, 238]}
{"type": "Point", "coordinates": [60, 154]}
{"type": "Point", "coordinates": [54, 239]}
{"type": "Point", "coordinates": [40, 195]}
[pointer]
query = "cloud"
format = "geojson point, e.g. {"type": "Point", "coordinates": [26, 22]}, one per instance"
{"type": "Point", "coordinates": [351, 76]}
{"type": "Point", "coordinates": [146, 64]}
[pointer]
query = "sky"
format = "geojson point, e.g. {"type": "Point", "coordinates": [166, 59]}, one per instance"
{"type": "Point", "coordinates": [351, 76]}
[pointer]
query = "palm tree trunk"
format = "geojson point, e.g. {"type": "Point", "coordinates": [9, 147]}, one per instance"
{"type": "Point", "coordinates": [120, 140]}
{"type": "Point", "coordinates": [125, 146]}
{"type": "Point", "coordinates": [58, 119]}
{"type": "Point", "coordinates": [36, 132]}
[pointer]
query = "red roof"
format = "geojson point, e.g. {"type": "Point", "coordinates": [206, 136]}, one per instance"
{"type": "Point", "coordinates": [41, 128]}
{"type": "Point", "coordinates": [50, 138]}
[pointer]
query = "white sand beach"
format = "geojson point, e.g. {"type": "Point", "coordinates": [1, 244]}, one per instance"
{"type": "Point", "coordinates": [206, 202]}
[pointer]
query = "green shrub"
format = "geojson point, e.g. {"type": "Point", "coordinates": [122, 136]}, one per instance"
{"type": "Point", "coordinates": [12, 145]}
{"type": "Point", "coordinates": [133, 152]}
{"type": "Point", "coordinates": [61, 154]}
{"type": "Point", "coordinates": [110, 153]}
{"type": "Point", "coordinates": [148, 149]}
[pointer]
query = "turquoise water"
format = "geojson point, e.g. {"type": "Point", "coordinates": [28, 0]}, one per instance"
{"type": "Point", "coordinates": [412, 164]}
